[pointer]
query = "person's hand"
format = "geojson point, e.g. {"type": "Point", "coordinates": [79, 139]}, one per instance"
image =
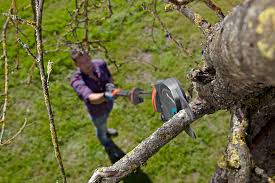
{"type": "Point", "coordinates": [115, 92]}
{"type": "Point", "coordinates": [111, 95]}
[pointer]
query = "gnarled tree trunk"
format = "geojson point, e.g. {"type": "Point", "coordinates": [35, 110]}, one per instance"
{"type": "Point", "coordinates": [240, 75]}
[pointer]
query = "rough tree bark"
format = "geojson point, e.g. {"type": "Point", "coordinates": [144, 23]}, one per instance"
{"type": "Point", "coordinates": [240, 67]}
{"type": "Point", "coordinates": [238, 75]}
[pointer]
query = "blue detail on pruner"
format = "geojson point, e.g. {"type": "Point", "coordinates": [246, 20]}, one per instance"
{"type": "Point", "coordinates": [173, 111]}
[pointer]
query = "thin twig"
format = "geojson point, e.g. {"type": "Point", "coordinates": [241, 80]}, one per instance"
{"type": "Point", "coordinates": [168, 33]}
{"type": "Point", "coordinates": [215, 8]}
{"type": "Point", "coordinates": [6, 60]}
{"type": "Point", "coordinates": [110, 8]}
{"type": "Point", "coordinates": [30, 73]}
{"type": "Point", "coordinates": [77, 20]}
{"type": "Point", "coordinates": [27, 49]}
{"type": "Point", "coordinates": [86, 26]}
{"type": "Point", "coordinates": [194, 17]}
{"type": "Point", "coordinates": [18, 30]}
{"type": "Point", "coordinates": [107, 55]}
{"type": "Point", "coordinates": [20, 20]}
{"type": "Point", "coordinates": [180, 2]}
{"type": "Point", "coordinates": [74, 19]}
{"type": "Point", "coordinates": [14, 11]}
{"type": "Point", "coordinates": [152, 31]}
{"type": "Point", "coordinates": [10, 140]}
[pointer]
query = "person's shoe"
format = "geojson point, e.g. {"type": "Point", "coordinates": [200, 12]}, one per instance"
{"type": "Point", "coordinates": [112, 132]}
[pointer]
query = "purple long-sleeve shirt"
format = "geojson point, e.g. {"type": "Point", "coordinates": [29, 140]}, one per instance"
{"type": "Point", "coordinates": [85, 85]}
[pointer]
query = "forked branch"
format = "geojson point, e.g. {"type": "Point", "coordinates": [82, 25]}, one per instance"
{"type": "Point", "coordinates": [20, 20]}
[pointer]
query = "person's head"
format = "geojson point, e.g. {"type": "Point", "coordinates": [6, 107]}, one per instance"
{"type": "Point", "coordinates": [82, 60]}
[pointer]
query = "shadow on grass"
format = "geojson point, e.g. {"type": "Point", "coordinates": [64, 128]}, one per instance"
{"type": "Point", "coordinates": [115, 154]}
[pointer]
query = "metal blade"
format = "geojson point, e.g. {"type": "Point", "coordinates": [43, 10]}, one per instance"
{"type": "Point", "coordinates": [190, 132]}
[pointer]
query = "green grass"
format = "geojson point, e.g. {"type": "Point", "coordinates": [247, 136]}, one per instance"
{"type": "Point", "coordinates": [30, 157]}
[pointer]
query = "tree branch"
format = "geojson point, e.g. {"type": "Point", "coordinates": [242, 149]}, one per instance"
{"type": "Point", "coordinates": [39, 47]}
{"type": "Point", "coordinates": [14, 11]}
{"type": "Point", "coordinates": [5, 106]}
{"type": "Point", "coordinates": [20, 20]}
{"type": "Point", "coordinates": [141, 153]}
{"type": "Point", "coordinates": [239, 56]}
{"type": "Point", "coordinates": [110, 11]}
{"type": "Point", "coordinates": [27, 49]}
{"type": "Point", "coordinates": [6, 66]}
{"type": "Point", "coordinates": [196, 18]}
{"type": "Point", "coordinates": [86, 27]}
{"type": "Point", "coordinates": [215, 8]}
{"type": "Point", "coordinates": [168, 33]}
{"type": "Point", "coordinates": [180, 2]}
{"type": "Point", "coordinates": [237, 163]}
{"type": "Point", "coordinates": [9, 141]}
{"type": "Point", "coordinates": [238, 153]}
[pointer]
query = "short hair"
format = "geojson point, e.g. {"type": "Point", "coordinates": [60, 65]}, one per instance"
{"type": "Point", "coordinates": [75, 53]}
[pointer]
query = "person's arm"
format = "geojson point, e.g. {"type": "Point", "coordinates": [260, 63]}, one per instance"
{"type": "Point", "coordinates": [84, 92]}
{"type": "Point", "coordinates": [96, 98]}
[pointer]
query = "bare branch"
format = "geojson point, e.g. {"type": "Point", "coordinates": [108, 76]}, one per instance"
{"type": "Point", "coordinates": [6, 66]}
{"type": "Point", "coordinates": [215, 8]}
{"type": "Point", "coordinates": [18, 30]}
{"type": "Point", "coordinates": [196, 18]}
{"type": "Point", "coordinates": [40, 60]}
{"type": "Point", "coordinates": [20, 20]}
{"type": "Point", "coordinates": [10, 140]}
{"type": "Point", "coordinates": [141, 153]}
{"type": "Point", "coordinates": [14, 12]}
{"type": "Point", "coordinates": [110, 8]}
{"type": "Point", "coordinates": [86, 26]}
{"type": "Point", "coordinates": [30, 73]}
{"type": "Point", "coordinates": [168, 33]}
{"type": "Point", "coordinates": [74, 19]}
{"type": "Point", "coordinates": [181, 2]}
{"type": "Point", "coordinates": [27, 49]}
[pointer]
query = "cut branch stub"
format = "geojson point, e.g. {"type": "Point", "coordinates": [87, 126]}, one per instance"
{"type": "Point", "coordinates": [240, 53]}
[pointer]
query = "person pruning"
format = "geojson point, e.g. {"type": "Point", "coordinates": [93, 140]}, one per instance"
{"type": "Point", "coordinates": [89, 83]}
